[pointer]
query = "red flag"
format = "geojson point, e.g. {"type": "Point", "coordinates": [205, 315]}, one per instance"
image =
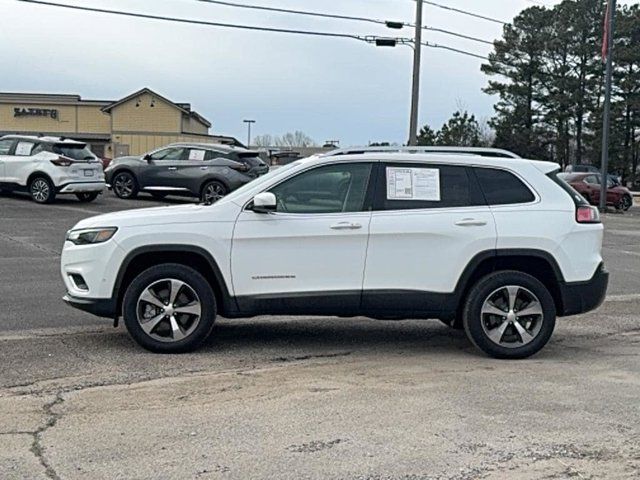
{"type": "Point", "coordinates": [605, 39]}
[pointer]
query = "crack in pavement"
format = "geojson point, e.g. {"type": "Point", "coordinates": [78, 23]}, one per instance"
{"type": "Point", "coordinates": [36, 447]}
{"type": "Point", "coordinates": [29, 244]}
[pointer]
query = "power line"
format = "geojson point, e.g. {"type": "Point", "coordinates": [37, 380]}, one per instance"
{"type": "Point", "coordinates": [194, 22]}
{"type": "Point", "coordinates": [298, 12]}
{"type": "Point", "coordinates": [451, 49]}
{"type": "Point", "coordinates": [464, 12]}
{"type": "Point", "coordinates": [382, 41]}
{"type": "Point", "coordinates": [397, 24]}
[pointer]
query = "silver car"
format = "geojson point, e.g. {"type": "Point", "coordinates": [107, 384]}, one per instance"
{"type": "Point", "coordinates": [202, 170]}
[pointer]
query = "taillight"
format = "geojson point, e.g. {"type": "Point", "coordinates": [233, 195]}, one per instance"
{"type": "Point", "coordinates": [587, 214]}
{"type": "Point", "coordinates": [62, 162]}
{"type": "Point", "coordinates": [240, 167]}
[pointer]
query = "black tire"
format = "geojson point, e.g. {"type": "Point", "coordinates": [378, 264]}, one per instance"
{"type": "Point", "coordinates": [125, 185]}
{"type": "Point", "coordinates": [87, 197]}
{"type": "Point", "coordinates": [156, 275]}
{"type": "Point", "coordinates": [511, 344]}
{"type": "Point", "coordinates": [159, 195]}
{"type": "Point", "coordinates": [42, 190]}
{"type": "Point", "coordinates": [454, 323]}
{"type": "Point", "coordinates": [627, 202]}
{"type": "Point", "coordinates": [213, 191]}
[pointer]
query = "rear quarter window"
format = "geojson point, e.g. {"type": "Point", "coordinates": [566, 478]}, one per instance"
{"type": "Point", "coordinates": [561, 181]}
{"type": "Point", "coordinates": [502, 188]}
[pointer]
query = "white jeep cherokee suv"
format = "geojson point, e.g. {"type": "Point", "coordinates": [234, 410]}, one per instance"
{"type": "Point", "coordinates": [496, 246]}
{"type": "Point", "coordinates": [48, 166]}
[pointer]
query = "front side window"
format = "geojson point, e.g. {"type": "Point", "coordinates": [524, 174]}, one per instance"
{"type": "Point", "coordinates": [170, 154]}
{"type": "Point", "coordinates": [417, 186]}
{"type": "Point", "coordinates": [502, 188]}
{"type": "Point", "coordinates": [5, 146]}
{"type": "Point", "coordinates": [329, 189]}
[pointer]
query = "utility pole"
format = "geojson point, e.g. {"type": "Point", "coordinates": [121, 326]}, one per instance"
{"type": "Point", "coordinates": [249, 122]}
{"type": "Point", "coordinates": [415, 90]}
{"type": "Point", "coordinates": [606, 116]}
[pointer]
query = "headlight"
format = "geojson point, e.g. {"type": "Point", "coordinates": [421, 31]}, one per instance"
{"type": "Point", "coordinates": [86, 236]}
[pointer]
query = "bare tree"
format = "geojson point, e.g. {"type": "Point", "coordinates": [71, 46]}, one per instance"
{"type": "Point", "coordinates": [295, 139]}
{"type": "Point", "coordinates": [263, 141]}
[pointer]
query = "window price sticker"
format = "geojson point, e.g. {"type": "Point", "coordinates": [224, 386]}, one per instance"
{"type": "Point", "coordinates": [196, 154]}
{"type": "Point", "coordinates": [413, 184]}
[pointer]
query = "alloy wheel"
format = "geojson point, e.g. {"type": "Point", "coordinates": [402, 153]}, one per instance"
{"type": "Point", "coordinates": [169, 310]}
{"type": "Point", "coordinates": [214, 192]}
{"type": "Point", "coordinates": [40, 190]}
{"type": "Point", "coordinates": [512, 316]}
{"type": "Point", "coordinates": [123, 185]}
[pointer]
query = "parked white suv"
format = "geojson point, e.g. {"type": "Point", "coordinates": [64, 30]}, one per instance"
{"type": "Point", "coordinates": [47, 166]}
{"type": "Point", "coordinates": [496, 246]}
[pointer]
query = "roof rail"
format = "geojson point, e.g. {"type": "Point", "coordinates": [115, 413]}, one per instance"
{"type": "Point", "coordinates": [479, 151]}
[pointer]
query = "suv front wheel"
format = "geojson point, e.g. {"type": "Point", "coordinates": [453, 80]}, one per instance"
{"type": "Point", "coordinates": [169, 308]}
{"type": "Point", "coordinates": [509, 314]}
{"type": "Point", "coordinates": [125, 185]}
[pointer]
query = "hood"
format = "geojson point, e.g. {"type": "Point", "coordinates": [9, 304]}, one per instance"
{"type": "Point", "coordinates": [161, 216]}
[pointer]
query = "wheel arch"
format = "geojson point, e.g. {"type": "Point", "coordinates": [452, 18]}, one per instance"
{"type": "Point", "coordinates": [537, 263]}
{"type": "Point", "coordinates": [192, 256]}
{"type": "Point", "coordinates": [214, 178]}
{"type": "Point", "coordinates": [39, 173]}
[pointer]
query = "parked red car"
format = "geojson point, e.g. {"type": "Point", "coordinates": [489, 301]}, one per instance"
{"type": "Point", "coordinates": [588, 185]}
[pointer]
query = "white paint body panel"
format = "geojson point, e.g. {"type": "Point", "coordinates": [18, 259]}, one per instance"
{"type": "Point", "coordinates": [425, 249]}
{"type": "Point", "coordinates": [282, 253]}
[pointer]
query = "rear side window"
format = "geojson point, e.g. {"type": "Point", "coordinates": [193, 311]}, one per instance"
{"type": "Point", "coordinates": [502, 188]}
{"type": "Point", "coordinates": [23, 149]}
{"type": "Point", "coordinates": [451, 186]}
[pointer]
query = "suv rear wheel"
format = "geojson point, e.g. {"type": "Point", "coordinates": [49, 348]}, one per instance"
{"type": "Point", "coordinates": [125, 185]}
{"type": "Point", "coordinates": [509, 314]}
{"type": "Point", "coordinates": [169, 308]}
{"type": "Point", "coordinates": [87, 197]}
{"type": "Point", "coordinates": [213, 191]}
{"type": "Point", "coordinates": [42, 190]}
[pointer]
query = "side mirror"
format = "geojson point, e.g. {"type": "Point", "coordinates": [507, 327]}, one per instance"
{"type": "Point", "coordinates": [147, 157]}
{"type": "Point", "coordinates": [264, 202]}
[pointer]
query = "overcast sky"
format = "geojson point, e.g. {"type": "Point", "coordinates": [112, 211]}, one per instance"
{"type": "Point", "coordinates": [329, 88]}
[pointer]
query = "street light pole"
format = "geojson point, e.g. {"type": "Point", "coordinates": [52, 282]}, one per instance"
{"type": "Point", "coordinates": [606, 114]}
{"type": "Point", "coordinates": [415, 90]}
{"type": "Point", "coordinates": [249, 122]}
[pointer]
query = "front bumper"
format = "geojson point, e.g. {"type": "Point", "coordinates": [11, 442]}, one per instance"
{"type": "Point", "coordinates": [101, 307]}
{"type": "Point", "coordinates": [580, 297]}
{"type": "Point", "coordinates": [82, 187]}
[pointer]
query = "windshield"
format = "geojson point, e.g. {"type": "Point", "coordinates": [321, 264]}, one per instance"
{"type": "Point", "coordinates": [260, 180]}
{"type": "Point", "coordinates": [75, 152]}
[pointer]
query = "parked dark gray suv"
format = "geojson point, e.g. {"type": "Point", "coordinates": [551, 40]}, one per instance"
{"type": "Point", "coordinates": [203, 170]}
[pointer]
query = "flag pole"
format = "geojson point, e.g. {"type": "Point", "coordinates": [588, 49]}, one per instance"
{"type": "Point", "coordinates": [610, 23]}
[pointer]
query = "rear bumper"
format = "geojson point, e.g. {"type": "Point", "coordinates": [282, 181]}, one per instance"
{"type": "Point", "coordinates": [101, 307]}
{"type": "Point", "coordinates": [580, 297]}
{"type": "Point", "coordinates": [81, 187]}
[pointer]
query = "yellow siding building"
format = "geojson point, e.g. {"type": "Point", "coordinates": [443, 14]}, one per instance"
{"type": "Point", "coordinates": [133, 125]}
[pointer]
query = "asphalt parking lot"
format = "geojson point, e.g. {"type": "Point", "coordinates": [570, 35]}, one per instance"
{"type": "Point", "coordinates": [305, 398]}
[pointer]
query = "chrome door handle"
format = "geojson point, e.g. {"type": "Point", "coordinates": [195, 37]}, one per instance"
{"type": "Point", "coordinates": [346, 226]}
{"type": "Point", "coordinates": [204, 168]}
{"type": "Point", "coordinates": [172, 168]}
{"type": "Point", "coordinates": [471, 222]}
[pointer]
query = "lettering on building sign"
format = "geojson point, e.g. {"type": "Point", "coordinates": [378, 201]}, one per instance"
{"type": "Point", "coordinates": [35, 112]}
